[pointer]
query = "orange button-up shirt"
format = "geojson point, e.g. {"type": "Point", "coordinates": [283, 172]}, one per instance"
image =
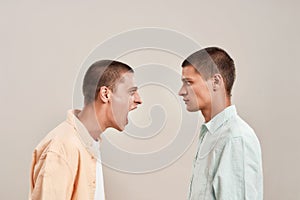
{"type": "Point", "coordinates": [64, 163]}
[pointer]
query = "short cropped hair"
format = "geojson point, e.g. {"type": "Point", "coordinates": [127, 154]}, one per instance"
{"type": "Point", "coordinates": [213, 60]}
{"type": "Point", "coordinates": [102, 73]}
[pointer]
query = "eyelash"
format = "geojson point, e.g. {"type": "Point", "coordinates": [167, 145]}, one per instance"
{"type": "Point", "coordinates": [187, 83]}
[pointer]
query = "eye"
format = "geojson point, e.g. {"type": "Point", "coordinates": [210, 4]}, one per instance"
{"type": "Point", "coordinates": [187, 82]}
{"type": "Point", "coordinates": [132, 92]}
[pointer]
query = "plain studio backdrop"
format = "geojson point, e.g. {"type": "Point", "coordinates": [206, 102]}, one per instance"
{"type": "Point", "coordinates": [43, 44]}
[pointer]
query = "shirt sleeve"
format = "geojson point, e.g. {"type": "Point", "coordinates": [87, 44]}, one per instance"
{"type": "Point", "coordinates": [237, 175]}
{"type": "Point", "coordinates": [53, 179]}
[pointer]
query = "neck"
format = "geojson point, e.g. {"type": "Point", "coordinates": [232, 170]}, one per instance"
{"type": "Point", "coordinates": [216, 107]}
{"type": "Point", "coordinates": [90, 119]}
{"type": "Point", "coordinates": [206, 114]}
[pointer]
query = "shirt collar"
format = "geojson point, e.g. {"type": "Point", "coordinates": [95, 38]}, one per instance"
{"type": "Point", "coordinates": [217, 121]}
{"type": "Point", "coordinates": [83, 134]}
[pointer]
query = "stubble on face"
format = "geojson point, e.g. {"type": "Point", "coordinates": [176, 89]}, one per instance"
{"type": "Point", "coordinates": [195, 90]}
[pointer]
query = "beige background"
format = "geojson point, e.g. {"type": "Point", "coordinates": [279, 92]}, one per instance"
{"type": "Point", "coordinates": [44, 43]}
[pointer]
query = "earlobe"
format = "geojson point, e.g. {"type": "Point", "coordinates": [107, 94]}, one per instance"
{"type": "Point", "coordinates": [217, 80]}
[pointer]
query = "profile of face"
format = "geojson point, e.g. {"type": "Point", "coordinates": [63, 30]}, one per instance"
{"type": "Point", "coordinates": [124, 99]}
{"type": "Point", "coordinates": [195, 90]}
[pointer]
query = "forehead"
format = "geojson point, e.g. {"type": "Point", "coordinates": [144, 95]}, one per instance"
{"type": "Point", "coordinates": [189, 72]}
{"type": "Point", "coordinates": [126, 79]}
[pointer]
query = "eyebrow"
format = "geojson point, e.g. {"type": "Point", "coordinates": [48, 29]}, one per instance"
{"type": "Point", "coordinates": [133, 89]}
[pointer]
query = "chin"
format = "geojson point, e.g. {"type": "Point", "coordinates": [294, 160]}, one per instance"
{"type": "Point", "coordinates": [120, 128]}
{"type": "Point", "coordinates": [191, 109]}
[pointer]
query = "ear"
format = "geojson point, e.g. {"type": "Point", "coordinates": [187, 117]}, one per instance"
{"type": "Point", "coordinates": [104, 94]}
{"type": "Point", "coordinates": [217, 81]}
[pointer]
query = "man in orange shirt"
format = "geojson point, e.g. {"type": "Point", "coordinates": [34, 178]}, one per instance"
{"type": "Point", "coordinates": [67, 163]}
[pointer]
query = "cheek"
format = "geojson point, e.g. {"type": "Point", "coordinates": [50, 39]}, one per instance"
{"type": "Point", "coordinates": [121, 104]}
{"type": "Point", "coordinates": [192, 93]}
{"type": "Point", "coordinates": [199, 95]}
{"type": "Point", "coordinates": [131, 100]}
{"type": "Point", "coordinates": [204, 96]}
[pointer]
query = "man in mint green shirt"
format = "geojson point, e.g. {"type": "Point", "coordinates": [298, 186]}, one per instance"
{"type": "Point", "coordinates": [228, 164]}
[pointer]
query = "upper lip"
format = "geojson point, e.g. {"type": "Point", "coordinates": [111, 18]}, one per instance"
{"type": "Point", "coordinates": [185, 99]}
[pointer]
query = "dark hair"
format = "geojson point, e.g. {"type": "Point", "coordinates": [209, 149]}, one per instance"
{"type": "Point", "coordinates": [102, 73]}
{"type": "Point", "coordinates": [210, 61]}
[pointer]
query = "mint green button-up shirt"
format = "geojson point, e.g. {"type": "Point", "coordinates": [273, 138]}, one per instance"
{"type": "Point", "coordinates": [228, 163]}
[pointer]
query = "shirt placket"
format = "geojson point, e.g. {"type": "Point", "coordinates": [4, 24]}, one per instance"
{"type": "Point", "coordinates": [201, 137]}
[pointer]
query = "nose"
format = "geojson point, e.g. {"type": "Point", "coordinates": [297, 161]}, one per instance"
{"type": "Point", "coordinates": [182, 91]}
{"type": "Point", "coordinates": [137, 98]}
